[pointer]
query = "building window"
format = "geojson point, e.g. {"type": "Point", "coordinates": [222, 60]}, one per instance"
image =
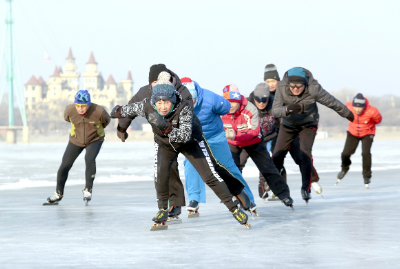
{"type": "Point", "coordinates": [33, 106]}
{"type": "Point", "coordinates": [33, 99]}
{"type": "Point", "coordinates": [33, 88]}
{"type": "Point", "coordinates": [108, 87]}
{"type": "Point", "coordinates": [55, 93]}
{"type": "Point", "coordinates": [54, 79]}
{"type": "Point", "coordinates": [26, 99]}
{"type": "Point", "coordinates": [69, 61]}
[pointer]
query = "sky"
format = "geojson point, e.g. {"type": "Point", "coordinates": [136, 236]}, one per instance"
{"type": "Point", "coordinates": [345, 44]}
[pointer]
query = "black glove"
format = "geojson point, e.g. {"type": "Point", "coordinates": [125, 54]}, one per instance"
{"type": "Point", "coordinates": [158, 121]}
{"type": "Point", "coordinates": [350, 117]}
{"type": "Point", "coordinates": [295, 108]}
{"type": "Point", "coordinates": [122, 134]}
{"type": "Point", "coordinates": [115, 112]}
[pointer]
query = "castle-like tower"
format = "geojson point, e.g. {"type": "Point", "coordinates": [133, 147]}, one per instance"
{"type": "Point", "coordinates": [63, 85]}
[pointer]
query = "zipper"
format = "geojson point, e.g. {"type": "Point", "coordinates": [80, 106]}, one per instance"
{"type": "Point", "coordinates": [358, 126]}
{"type": "Point", "coordinates": [84, 130]}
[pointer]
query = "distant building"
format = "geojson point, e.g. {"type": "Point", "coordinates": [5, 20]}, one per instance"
{"type": "Point", "coordinates": [63, 85]}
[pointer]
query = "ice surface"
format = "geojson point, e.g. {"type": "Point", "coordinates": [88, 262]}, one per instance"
{"type": "Point", "coordinates": [352, 227]}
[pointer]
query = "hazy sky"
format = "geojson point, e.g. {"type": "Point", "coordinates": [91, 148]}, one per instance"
{"type": "Point", "coordinates": [345, 44]}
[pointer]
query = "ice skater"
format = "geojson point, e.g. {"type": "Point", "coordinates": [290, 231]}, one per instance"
{"type": "Point", "coordinates": [176, 189]}
{"type": "Point", "coordinates": [177, 130]}
{"type": "Point", "coordinates": [242, 129]}
{"type": "Point", "coordinates": [361, 129]}
{"type": "Point", "coordinates": [88, 121]}
{"type": "Point", "coordinates": [209, 107]}
{"type": "Point", "coordinates": [295, 104]}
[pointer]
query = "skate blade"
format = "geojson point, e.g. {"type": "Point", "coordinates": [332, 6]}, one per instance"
{"type": "Point", "coordinates": [367, 186]}
{"type": "Point", "coordinates": [159, 226]}
{"type": "Point", "coordinates": [337, 182]}
{"type": "Point", "coordinates": [247, 225]}
{"type": "Point", "coordinates": [172, 221]}
{"type": "Point", "coordinates": [273, 199]}
{"type": "Point", "coordinates": [47, 203]}
{"type": "Point", "coordinates": [292, 207]}
{"type": "Point", "coordinates": [192, 214]}
{"type": "Point", "coordinates": [322, 196]}
{"type": "Point", "coordinates": [255, 213]}
{"type": "Point", "coordinates": [86, 203]}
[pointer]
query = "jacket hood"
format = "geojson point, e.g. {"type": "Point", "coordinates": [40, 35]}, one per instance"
{"type": "Point", "coordinates": [199, 91]}
{"type": "Point", "coordinates": [176, 81]}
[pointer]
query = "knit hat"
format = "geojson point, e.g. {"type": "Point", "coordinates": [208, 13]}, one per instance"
{"type": "Point", "coordinates": [155, 70]}
{"type": "Point", "coordinates": [189, 84]}
{"type": "Point", "coordinates": [82, 97]}
{"type": "Point", "coordinates": [163, 90]}
{"type": "Point", "coordinates": [232, 94]}
{"type": "Point", "coordinates": [261, 90]}
{"type": "Point", "coordinates": [359, 100]}
{"type": "Point", "coordinates": [270, 71]}
{"type": "Point", "coordinates": [297, 75]}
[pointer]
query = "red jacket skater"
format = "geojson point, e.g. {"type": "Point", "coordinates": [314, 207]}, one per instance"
{"type": "Point", "coordinates": [245, 124]}
{"type": "Point", "coordinates": [364, 124]}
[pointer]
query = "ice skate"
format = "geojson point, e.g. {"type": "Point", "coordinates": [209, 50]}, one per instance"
{"type": "Point", "coordinates": [193, 209]}
{"type": "Point", "coordinates": [243, 199]}
{"type": "Point", "coordinates": [263, 192]}
{"type": "Point", "coordinates": [273, 197]}
{"type": "Point", "coordinates": [87, 195]}
{"type": "Point", "coordinates": [160, 220]}
{"type": "Point", "coordinates": [241, 217]}
{"type": "Point", "coordinates": [305, 195]}
{"type": "Point", "coordinates": [173, 215]}
{"type": "Point", "coordinates": [340, 176]}
{"type": "Point", "coordinates": [253, 209]}
{"type": "Point", "coordinates": [317, 188]}
{"type": "Point", "coordinates": [367, 181]}
{"type": "Point", "coordinates": [288, 201]}
{"type": "Point", "coordinates": [55, 199]}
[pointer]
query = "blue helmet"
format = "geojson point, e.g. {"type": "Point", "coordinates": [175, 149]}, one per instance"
{"type": "Point", "coordinates": [82, 97]}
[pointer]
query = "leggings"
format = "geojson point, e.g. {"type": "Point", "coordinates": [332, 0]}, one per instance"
{"type": "Point", "coordinates": [71, 153]}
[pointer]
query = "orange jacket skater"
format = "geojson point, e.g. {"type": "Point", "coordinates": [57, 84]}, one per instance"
{"type": "Point", "coordinates": [361, 129]}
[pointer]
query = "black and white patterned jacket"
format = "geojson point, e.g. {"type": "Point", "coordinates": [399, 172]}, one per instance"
{"type": "Point", "coordinates": [186, 127]}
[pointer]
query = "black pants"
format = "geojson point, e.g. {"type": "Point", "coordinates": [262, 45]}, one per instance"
{"type": "Point", "coordinates": [71, 153]}
{"type": "Point", "coordinates": [350, 148]}
{"type": "Point", "coordinates": [176, 189]}
{"type": "Point", "coordinates": [304, 159]}
{"type": "Point", "coordinates": [260, 156]}
{"type": "Point", "coordinates": [219, 179]}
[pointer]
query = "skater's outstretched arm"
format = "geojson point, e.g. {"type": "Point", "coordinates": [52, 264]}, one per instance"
{"type": "Point", "coordinates": [330, 101]}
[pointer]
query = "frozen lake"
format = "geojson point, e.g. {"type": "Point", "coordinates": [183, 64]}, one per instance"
{"type": "Point", "coordinates": [352, 227]}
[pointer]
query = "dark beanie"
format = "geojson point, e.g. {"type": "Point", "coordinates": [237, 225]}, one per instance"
{"type": "Point", "coordinates": [270, 71]}
{"type": "Point", "coordinates": [155, 70]}
{"type": "Point", "coordinates": [359, 100]}
{"type": "Point", "coordinates": [297, 75]}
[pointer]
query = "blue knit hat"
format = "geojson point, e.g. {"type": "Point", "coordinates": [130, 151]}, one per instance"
{"type": "Point", "coordinates": [82, 97]}
{"type": "Point", "coordinates": [297, 75]}
{"type": "Point", "coordinates": [163, 90]}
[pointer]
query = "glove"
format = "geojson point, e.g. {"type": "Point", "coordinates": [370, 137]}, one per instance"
{"type": "Point", "coordinates": [116, 112]}
{"type": "Point", "coordinates": [168, 130]}
{"type": "Point", "coordinates": [158, 121]}
{"type": "Point", "coordinates": [350, 117]}
{"type": "Point", "coordinates": [122, 134]}
{"type": "Point", "coordinates": [230, 134]}
{"type": "Point", "coordinates": [295, 108]}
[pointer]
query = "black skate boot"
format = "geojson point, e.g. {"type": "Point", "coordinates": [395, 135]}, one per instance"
{"type": "Point", "coordinates": [367, 181]}
{"type": "Point", "coordinates": [340, 176]}
{"type": "Point", "coordinates": [173, 215]}
{"type": "Point", "coordinates": [253, 209]}
{"type": "Point", "coordinates": [87, 195]}
{"type": "Point", "coordinates": [193, 209]}
{"type": "Point", "coordinates": [241, 217]}
{"type": "Point", "coordinates": [263, 192]}
{"type": "Point", "coordinates": [244, 200]}
{"type": "Point", "coordinates": [55, 199]}
{"type": "Point", "coordinates": [160, 220]}
{"type": "Point", "coordinates": [288, 201]}
{"type": "Point", "coordinates": [305, 195]}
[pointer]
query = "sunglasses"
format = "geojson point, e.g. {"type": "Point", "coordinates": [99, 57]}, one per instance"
{"type": "Point", "coordinates": [81, 105]}
{"type": "Point", "coordinates": [164, 98]}
{"type": "Point", "coordinates": [296, 86]}
{"type": "Point", "coordinates": [261, 99]}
